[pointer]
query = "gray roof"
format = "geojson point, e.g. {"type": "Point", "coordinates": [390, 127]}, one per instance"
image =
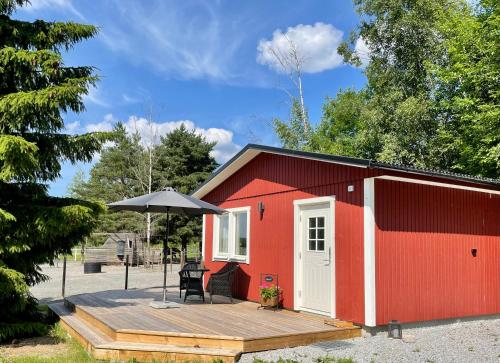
{"type": "Point", "coordinates": [485, 182]}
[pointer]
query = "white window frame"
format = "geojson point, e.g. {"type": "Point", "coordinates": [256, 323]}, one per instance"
{"type": "Point", "coordinates": [231, 255]}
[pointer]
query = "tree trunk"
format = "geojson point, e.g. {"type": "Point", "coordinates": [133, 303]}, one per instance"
{"type": "Point", "coordinates": [150, 176]}
{"type": "Point", "coordinates": [302, 106]}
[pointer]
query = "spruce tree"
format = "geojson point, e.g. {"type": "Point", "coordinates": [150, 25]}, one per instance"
{"type": "Point", "coordinates": [184, 161]}
{"type": "Point", "coordinates": [36, 91]}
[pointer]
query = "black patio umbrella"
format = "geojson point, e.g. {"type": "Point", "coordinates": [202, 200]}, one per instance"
{"type": "Point", "coordinates": [166, 201]}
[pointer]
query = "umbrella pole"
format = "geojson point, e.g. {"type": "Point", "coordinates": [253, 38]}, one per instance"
{"type": "Point", "coordinates": [165, 243]}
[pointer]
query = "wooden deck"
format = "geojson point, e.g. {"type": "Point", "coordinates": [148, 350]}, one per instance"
{"type": "Point", "coordinates": [121, 325]}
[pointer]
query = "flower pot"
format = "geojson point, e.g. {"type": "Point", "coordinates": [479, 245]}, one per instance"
{"type": "Point", "coordinates": [271, 302]}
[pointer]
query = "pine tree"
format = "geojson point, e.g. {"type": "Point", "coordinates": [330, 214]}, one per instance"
{"type": "Point", "coordinates": [184, 160]}
{"type": "Point", "coordinates": [113, 178]}
{"type": "Point", "coordinates": [36, 90]}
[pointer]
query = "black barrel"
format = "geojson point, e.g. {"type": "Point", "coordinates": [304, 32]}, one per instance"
{"type": "Point", "coordinates": [91, 267]}
{"type": "Point", "coordinates": [120, 249]}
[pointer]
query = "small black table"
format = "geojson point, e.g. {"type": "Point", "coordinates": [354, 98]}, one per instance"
{"type": "Point", "coordinates": [194, 284]}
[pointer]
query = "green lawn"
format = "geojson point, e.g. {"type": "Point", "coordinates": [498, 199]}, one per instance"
{"type": "Point", "coordinates": [74, 352]}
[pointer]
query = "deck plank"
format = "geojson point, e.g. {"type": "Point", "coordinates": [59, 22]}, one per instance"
{"type": "Point", "coordinates": [129, 309]}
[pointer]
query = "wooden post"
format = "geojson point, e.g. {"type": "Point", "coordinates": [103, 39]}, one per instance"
{"type": "Point", "coordinates": [64, 277]}
{"type": "Point", "coordinates": [126, 273]}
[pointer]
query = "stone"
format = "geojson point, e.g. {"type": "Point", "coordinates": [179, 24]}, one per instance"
{"type": "Point", "coordinates": [409, 338]}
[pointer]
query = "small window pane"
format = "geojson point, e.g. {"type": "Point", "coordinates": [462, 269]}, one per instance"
{"type": "Point", "coordinates": [312, 222]}
{"type": "Point", "coordinates": [321, 245]}
{"type": "Point", "coordinates": [321, 221]}
{"type": "Point", "coordinates": [321, 233]}
{"type": "Point", "coordinates": [241, 234]}
{"type": "Point", "coordinates": [312, 245]}
{"type": "Point", "coordinates": [224, 233]}
{"type": "Point", "coordinates": [312, 234]}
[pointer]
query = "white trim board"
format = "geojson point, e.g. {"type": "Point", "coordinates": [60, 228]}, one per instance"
{"type": "Point", "coordinates": [437, 184]}
{"type": "Point", "coordinates": [231, 256]}
{"type": "Point", "coordinates": [297, 204]}
{"type": "Point", "coordinates": [249, 155]}
{"type": "Point", "coordinates": [369, 251]}
{"type": "Point", "coordinates": [203, 242]}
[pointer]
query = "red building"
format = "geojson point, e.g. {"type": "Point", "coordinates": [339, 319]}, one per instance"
{"type": "Point", "coordinates": [355, 239]}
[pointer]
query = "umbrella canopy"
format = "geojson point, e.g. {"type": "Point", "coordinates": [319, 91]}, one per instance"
{"type": "Point", "coordinates": [167, 200]}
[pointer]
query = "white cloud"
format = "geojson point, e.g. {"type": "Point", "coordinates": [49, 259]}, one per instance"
{"type": "Point", "coordinates": [184, 40]}
{"type": "Point", "coordinates": [65, 5]}
{"type": "Point", "coordinates": [363, 52]}
{"type": "Point", "coordinates": [130, 99]}
{"type": "Point", "coordinates": [94, 96]}
{"type": "Point", "coordinates": [224, 149]}
{"type": "Point", "coordinates": [72, 127]}
{"type": "Point", "coordinates": [316, 44]}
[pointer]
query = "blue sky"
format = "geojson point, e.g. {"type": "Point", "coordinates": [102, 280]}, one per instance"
{"type": "Point", "coordinates": [203, 63]}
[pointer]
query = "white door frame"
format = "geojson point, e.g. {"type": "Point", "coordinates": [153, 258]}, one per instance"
{"type": "Point", "coordinates": [297, 249]}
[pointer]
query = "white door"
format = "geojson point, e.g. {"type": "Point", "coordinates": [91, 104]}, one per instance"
{"type": "Point", "coordinates": [316, 258]}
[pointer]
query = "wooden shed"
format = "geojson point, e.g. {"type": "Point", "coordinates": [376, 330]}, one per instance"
{"type": "Point", "coordinates": [115, 248]}
{"type": "Point", "coordinates": [355, 239]}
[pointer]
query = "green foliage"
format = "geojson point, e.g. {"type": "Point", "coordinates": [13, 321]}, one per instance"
{"type": "Point", "coordinates": [340, 124]}
{"type": "Point", "coordinates": [400, 118]}
{"type": "Point", "coordinates": [36, 89]}
{"type": "Point", "coordinates": [73, 352]}
{"type": "Point", "coordinates": [268, 292]}
{"type": "Point", "coordinates": [294, 133]}
{"type": "Point", "coordinates": [18, 158]}
{"type": "Point", "coordinates": [280, 360]}
{"type": "Point", "coordinates": [468, 90]}
{"type": "Point", "coordinates": [432, 97]}
{"type": "Point", "coordinates": [116, 176]}
{"type": "Point", "coordinates": [181, 160]}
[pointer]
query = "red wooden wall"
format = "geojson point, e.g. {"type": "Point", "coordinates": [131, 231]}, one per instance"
{"type": "Point", "coordinates": [424, 266]}
{"type": "Point", "coordinates": [424, 236]}
{"type": "Point", "coordinates": [277, 181]}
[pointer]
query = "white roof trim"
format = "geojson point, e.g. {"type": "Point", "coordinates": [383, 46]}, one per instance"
{"type": "Point", "coordinates": [244, 159]}
{"type": "Point", "coordinates": [437, 184]}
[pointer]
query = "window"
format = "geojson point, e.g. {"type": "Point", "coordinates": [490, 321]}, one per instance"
{"type": "Point", "coordinates": [316, 229]}
{"type": "Point", "coordinates": [241, 233]}
{"type": "Point", "coordinates": [232, 235]}
{"type": "Point", "coordinates": [224, 234]}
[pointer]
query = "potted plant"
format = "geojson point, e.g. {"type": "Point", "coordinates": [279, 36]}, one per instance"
{"type": "Point", "coordinates": [269, 295]}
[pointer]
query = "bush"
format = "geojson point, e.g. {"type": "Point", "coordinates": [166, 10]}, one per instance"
{"type": "Point", "coordinates": [19, 316]}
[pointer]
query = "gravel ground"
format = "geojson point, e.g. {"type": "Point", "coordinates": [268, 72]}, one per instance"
{"type": "Point", "coordinates": [471, 341]}
{"type": "Point", "coordinates": [112, 278]}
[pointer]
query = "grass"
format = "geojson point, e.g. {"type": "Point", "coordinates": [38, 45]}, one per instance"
{"type": "Point", "coordinates": [75, 352]}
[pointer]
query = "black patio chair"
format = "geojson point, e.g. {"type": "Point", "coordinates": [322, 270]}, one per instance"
{"type": "Point", "coordinates": [221, 282]}
{"type": "Point", "coordinates": [183, 277]}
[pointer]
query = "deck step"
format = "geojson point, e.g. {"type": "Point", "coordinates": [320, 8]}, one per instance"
{"type": "Point", "coordinates": [87, 332]}
{"type": "Point", "coordinates": [165, 348]}
{"type": "Point", "coordinates": [103, 347]}
{"type": "Point", "coordinates": [339, 323]}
